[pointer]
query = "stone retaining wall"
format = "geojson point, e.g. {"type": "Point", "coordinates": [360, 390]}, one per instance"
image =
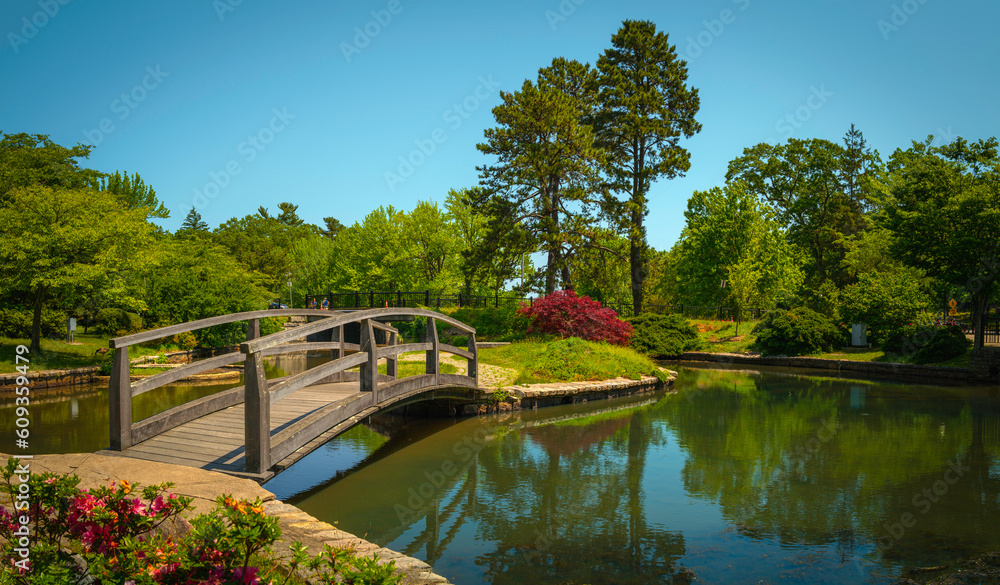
{"type": "Point", "coordinates": [910, 372]}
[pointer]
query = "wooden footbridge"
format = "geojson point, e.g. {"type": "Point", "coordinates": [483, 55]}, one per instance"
{"type": "Point", "coordinates": [266, 425]}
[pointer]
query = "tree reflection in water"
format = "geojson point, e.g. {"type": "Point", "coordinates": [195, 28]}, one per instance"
{"type": "Point", "coordinates": [819, 471]}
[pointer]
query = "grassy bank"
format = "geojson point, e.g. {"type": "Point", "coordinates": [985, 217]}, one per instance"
{"type": "Point", "coordinates": [720, 337]}
{"type": "Point", "coordinates": [568, 360]}
{"type": "Point", "coordinates": [59, 355]}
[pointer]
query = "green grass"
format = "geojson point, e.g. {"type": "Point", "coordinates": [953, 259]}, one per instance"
{"type": "Point", "coordinates": [407, 369]}
{"type": "Point", "coordinates": [59, 355]}
{"type": "Point", "coordinates": [720, 336]}
{"type": "Point", "coordinates": [568, 360]}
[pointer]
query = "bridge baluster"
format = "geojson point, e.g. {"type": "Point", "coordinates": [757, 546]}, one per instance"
{"type": "Point", "coordinates": [369, 369]}
{"type": "Point", "coordinates": [434, 352]}
{"type": "Point", "coordinates": [390, 362]}
{"type": "Point", "coordinates": [474, 362]}
{"type": "Point", "coordinates": [253, 329]}
{"type": "Point", "coordinates": [257, 415]}
{"type": "Point", "coordinates": [120, 401]}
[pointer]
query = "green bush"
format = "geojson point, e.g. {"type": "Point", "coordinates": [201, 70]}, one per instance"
{"type": "Point", "coordinates": [234, 333]}
{"type": "Point", "coordinates": [946, 343]}
{"type": "Point", "coordinates": [118, 322]}
{"type": "Point", "coordinates": [799, 331]}
{"type": "Point", "coordinates": [908, 339]}
{"type": "Point", "coordinates": [495, 324]}
{"type": "Point", "coordinates": [663, 335]}
{"type": "Point", "coordinates": [17, 323]}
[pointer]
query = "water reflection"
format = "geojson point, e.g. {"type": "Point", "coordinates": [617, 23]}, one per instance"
{"type": "Point", "coordinates": [739, 477]}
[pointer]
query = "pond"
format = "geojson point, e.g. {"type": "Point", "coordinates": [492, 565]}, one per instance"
{"type": "Point", "coordinates": [740, 477]}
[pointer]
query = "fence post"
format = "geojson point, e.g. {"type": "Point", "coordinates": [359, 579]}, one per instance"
{"type": "Point", "coordinates": [496, 304]}
{"type": "Point", "coordinates": [427, 298]}
{"type": "Point", "coordinates": [257, 415]}
{"type": "Point", "coordinates": [399, 298]}
{"type": "Point", "coordinates": [357, 299]}
{"type": "Point", "coordinates": [120, 401]}
{"type": "Point", "coordinates": [369, 368]}
{"type": "Point", "coordinates": [431, 335]}
{"type": "Point", "coordinates": [371, 299]}
{"type": "Point", "coordinates": [474, 361]}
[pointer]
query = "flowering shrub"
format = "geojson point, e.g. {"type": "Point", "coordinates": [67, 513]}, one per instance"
{"type": "Point", "coordinates": [109, 535]}
{"type": "Point", "coordinates": [564, 314]}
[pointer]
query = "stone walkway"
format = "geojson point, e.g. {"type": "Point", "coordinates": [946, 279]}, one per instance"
{"type": "Point", "coordinates": [489, 376]}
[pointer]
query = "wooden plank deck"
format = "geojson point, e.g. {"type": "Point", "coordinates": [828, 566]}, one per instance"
{"type": "Point", "coordinates": [216, 441]}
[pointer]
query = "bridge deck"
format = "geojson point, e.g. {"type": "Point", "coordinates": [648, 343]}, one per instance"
{"type": "Point", "coordinates": [216, 441]}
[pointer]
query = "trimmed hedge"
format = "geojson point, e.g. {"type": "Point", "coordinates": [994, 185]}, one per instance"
{"type": "Point", "coordinates": [117, 322]}
{"type": "Point", "coordinates": [946, 343]}
{"type": "Point", "coordinates": [17, 323]}
{"type": "Point", "coordinates": [800, 331]}
{"type": "Point", "coordinates": [663, 335]}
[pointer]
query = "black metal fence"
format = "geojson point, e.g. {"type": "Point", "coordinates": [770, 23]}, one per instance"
{"type": "Point", "coordinates": [376, 299]}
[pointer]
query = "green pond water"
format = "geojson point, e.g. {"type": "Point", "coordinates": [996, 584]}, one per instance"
{"type": "Point", "coordinates": [765, 476]}
{"type": "Point", "coordinates": [739, 477]}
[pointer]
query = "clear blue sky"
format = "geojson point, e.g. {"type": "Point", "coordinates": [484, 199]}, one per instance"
{"type": "Point", "coordinates": [258, 102]}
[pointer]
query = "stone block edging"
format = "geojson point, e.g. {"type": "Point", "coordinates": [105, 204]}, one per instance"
{"type": "Point", "coordinates": [895, 370]}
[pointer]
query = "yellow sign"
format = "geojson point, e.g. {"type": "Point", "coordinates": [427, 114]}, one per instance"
{"type": "Point", "coordinates": [952, 303]}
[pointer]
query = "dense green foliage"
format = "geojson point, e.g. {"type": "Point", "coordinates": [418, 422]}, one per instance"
{"type": "Point", "coordinates": [17, 323]}
{"type": "Point", "coordinates": [117, 322]}
{"type": "Point", "coordinates": [946, 343]}
{"type": "Point", "coordinates": [495, 324]}
{"type": "Point", "coordinates": [886, 301]}
{"type": "Point", "coordinates": [663, 335]}
{"type": "Point", "coordinates": [800, 331]}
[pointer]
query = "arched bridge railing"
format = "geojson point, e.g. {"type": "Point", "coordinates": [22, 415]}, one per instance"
{"type": "Point", "coordinates": [259, 393]}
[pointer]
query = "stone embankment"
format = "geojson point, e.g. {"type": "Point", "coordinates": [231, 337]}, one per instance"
{"type": "Point", "coordinates": [908, 372]}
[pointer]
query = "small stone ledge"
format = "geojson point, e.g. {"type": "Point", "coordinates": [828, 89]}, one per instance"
{"type": "Point", "coordinates": [297, 525]}
{"type": "Point", "coordinates": [894, 370]}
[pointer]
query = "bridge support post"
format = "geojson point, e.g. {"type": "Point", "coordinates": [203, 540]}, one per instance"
{"type": "Point", "coordinates": [390, 361]}
{"type": "Point", "coordinates": [257, 416]}
{"type": "Point", "coordinates": [433, 353]}
{"type": "Point", "coordinates": [120, 401]}
{"type": "Point", "coordinates": [253, 329]}
{"type": "Point", "coordinates": [474, 362]}
{"type": "Point", "coordinates": [369, 368]}
{"type": "Point", "coordinates": [338, 336]}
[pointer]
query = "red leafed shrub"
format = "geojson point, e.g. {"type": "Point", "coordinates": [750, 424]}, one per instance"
{"type": "Point", "coordinates": [564, 314]}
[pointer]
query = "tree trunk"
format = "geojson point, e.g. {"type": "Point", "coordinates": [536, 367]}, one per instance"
{"type": "Point", "coordinates": [550, 271]}
{"type": "Point", "coordinates": [36, 321]}
{"type": "Point", "coordinates": [636, 245]}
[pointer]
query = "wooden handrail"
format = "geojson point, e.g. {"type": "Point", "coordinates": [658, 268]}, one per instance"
{"type": "Point", "coordinates": [212, 321]}
{"type": "Point", "coordinates": [262, 343]}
